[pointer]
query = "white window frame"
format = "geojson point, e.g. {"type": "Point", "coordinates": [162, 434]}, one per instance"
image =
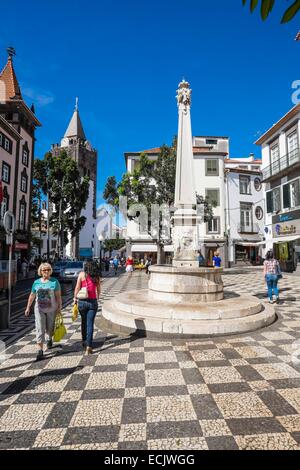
{"type": "Point", "coordinates": [208, 172]}
{"type": "Point", "coordinates": [5, 168]}
{"type": "Point", "coordinates": [213, 221]}
{"type": "Point", "coordinates": [218, 192]}
{"type": "Point", "coordinates": [24, 180]}
{"type": "Point", "coordinates": [248, 189]}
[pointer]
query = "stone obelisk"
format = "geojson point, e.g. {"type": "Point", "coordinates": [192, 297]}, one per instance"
{"type": "Point", "coordinates": [185, 239]}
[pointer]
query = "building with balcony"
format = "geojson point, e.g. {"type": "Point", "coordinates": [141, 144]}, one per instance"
{"type": "Point", "coordinates": [281, 178]}
{"type": "Point", "coordinates": [209, 164]}
{"type": "Point", "coordinates": [18, 124]}
{"type": "Point", "coordinates": [245, 210]}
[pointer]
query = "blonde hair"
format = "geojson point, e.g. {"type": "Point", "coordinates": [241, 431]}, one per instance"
{"type": "Point", "coordinates": [43, 266]}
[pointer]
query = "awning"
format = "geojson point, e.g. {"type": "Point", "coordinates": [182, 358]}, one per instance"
{"type": "Point", "coordinates": [248, 243]}
{"type": "Point", "coordinates": [142, 248]}
{"type": "Point", "coordinates": [280, 240]}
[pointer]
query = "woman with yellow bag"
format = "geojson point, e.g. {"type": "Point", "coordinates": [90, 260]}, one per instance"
{"type": "Point", "coordinates": [87, 294]}
{"type": "Point", "coordinates": [47, 293]}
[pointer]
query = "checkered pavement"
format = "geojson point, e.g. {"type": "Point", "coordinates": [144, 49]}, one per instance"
{"type": "Point", "coordinates": [237, 392]}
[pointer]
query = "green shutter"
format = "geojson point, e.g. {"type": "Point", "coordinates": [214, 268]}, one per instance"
{"type": "Point", "coordinates": [269, 202]}
{"type": "Point", "coordinates": [286, 196]}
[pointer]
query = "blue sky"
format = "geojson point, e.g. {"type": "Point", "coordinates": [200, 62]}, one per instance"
{"type": "Point", "coordinates": [124, 60]}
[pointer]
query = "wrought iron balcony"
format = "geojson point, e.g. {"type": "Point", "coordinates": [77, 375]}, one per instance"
{"type": "Point", "coordinates": [252, 228]}
{"type": "Point", "coordinates": [280, 165]}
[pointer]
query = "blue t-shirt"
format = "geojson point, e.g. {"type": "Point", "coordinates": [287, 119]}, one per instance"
{"type": "Point", "coordinates": [45, 294]}
{"type": "Point", "coordinates": [217, 261]}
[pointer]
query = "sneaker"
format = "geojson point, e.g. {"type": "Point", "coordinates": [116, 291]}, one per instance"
{"type": "Point", "coordinates": [277, 300]}
{"type": "Point", "coordinates": [88, 351]}
{"type": "Point", "coordinates": [49, 344]}
{"type": "Point", "coordinates": [271, 301]}
{"type": "Point", "coordinates": [40, 355]}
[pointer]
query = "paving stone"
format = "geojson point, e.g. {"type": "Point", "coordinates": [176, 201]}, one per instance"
{"type": "Point", "coordinates": [138, 393]}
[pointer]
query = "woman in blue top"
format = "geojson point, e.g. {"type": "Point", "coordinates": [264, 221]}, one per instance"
{"type": "Point", "coordinates": [217, 260]}
{"type": "Point", "coordinates": [47, 293]}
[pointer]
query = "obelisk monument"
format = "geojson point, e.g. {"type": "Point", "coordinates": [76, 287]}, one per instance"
{"type": "Point", "coordinates": [185, 232]}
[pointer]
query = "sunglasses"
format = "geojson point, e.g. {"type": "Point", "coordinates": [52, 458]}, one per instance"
{"type": "Point", "coordinates": [46, 270]}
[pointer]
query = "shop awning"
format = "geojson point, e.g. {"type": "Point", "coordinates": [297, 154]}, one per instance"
{"type": "Point", "coordinates": [292, 238]}
{"type": "Point", "coordinates": [136, 248]}
{"type": "Point", "coordinates": [248, 243]}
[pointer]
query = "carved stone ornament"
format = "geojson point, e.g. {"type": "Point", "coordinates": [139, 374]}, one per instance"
{"type": "Point", "coordinates": [184, 93]}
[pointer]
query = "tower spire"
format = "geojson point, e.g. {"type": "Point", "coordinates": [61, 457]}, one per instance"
{"type": "Point", "coordinates": [75, 127]}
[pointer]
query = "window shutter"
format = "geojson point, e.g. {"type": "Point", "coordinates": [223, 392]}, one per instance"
{"type": "Point", "coordinates": [286, 196]}
{"type": "Point", "coordinates": [269, 202]}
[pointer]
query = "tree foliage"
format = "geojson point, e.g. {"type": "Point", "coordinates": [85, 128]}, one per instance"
{"type": "Point", "coordinates": [60, 179]}
{"type": "Point", "coordinates": [266, 6]}
{"type": "Point", "coordinates": [114, 244]}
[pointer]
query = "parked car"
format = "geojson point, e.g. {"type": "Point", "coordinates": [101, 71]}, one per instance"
{"type": "Point", "coordinates": [71, 271]}
{"type": "Point", "coordinates": [58, 269]}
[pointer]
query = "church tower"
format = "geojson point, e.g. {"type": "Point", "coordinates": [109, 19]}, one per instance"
{"type": "Point", "coordinates": [79, 148]}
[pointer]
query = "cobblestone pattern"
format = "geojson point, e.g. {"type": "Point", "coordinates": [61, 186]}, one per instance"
{"type": "Point", "coordinates": [238, 392]}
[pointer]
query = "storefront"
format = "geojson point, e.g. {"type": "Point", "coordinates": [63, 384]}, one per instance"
{"type": "Point", "coordinates": [286, 239]}
{"type": "Point", "coordinates": [247, 253]}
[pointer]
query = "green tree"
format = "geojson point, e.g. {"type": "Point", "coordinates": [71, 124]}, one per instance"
{"type": "Point", "coordinates": [114, 244]}
{"type": "Point", "coordinates": [266, 6]}
{"type": "Point", "coordinates": [58, 177]}
{"type": "Point", "coordinates": [151, 183]}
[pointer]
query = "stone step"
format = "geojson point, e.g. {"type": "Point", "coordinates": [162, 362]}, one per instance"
{"type": "Point", "coordinates": [138, 303]}
{"type": "Point", "coordinates": [123, 322]}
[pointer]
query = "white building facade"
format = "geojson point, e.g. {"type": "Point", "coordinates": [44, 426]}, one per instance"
{"type": "Point", "coordinates": [281, 178]}
{"type": "Point", "coordinates": [245, 210]}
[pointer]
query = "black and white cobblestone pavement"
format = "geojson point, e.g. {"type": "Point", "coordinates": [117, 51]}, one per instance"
{"type": "Point", "coordinates": [238, 392]}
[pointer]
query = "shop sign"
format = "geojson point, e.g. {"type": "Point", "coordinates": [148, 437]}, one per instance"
{"type": "Point", "coordinates": [21, 246]}
{"type": "Point", "coordinates": [282, 229]}
{"type": "Point", "coordinates": [286, 229]}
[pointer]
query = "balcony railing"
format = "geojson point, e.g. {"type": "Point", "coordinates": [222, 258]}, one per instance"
{"type": "Point", "coordinates": [253, 228]}
{"type": "Point", "coordinates": [281, 164]}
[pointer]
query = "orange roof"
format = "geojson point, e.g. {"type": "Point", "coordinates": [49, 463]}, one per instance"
{"type": "Point", "coordinates": [8, 77]}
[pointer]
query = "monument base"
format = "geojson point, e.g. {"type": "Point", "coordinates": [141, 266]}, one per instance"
{"type": "Point", "coordinates": [185, 302]}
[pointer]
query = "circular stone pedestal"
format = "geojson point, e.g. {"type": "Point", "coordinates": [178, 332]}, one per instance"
{"type": "Point", "coordinates": [185, 302]}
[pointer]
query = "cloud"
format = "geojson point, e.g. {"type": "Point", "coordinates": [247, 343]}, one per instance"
{"type": "Point", "coordinates": [39, 97]}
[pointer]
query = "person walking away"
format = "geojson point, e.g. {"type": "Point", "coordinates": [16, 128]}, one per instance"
{"type": "Point", "coordinates": [106, 264]}
{"type": "Point", "coordinates": [148, 264]}
{"type": "Point", "coordinates": [272, 274]}
{"type": "Point", "coordinates": [24, 268]}
{"type": "Point", "coordinates": [217, 260]}
{"type": "Point", "coordinates": [88, 284]}
{"type": "Point", "coordinates": [129, 265]}
{"type": "Point", "coordinates": [116, 265]}
{"type": "Point", "coordinates": [46, 291]}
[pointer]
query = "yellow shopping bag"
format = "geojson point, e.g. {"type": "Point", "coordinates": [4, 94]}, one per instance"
{"type": "Point", "coordinates": [60, 329]}
{"type": "Point", "coordinates": [75, 312]}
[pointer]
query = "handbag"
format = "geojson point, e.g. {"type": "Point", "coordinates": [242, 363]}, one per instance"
{"type": "Point", "coordinates": [83, 293]}
{"type": "Point", "coordinates": [59, 329]}
{"type": "Point", "coordinates": [279, 273]}
{"type": "Point", "coordinates": [75, 312]}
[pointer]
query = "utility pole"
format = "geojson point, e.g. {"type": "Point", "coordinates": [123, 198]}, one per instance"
{"type": "Point", "coordinates": [60, 223]}
{"type": "Point", "coordinates": [48, 227]}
